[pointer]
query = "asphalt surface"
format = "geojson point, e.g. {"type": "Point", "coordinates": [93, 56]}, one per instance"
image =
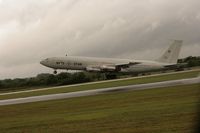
{"type": "Point", "coordinates": [100, 91]}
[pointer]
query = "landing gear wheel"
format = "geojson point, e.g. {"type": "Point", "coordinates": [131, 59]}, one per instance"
{"type": "Point", "coordinates": [54, 72]}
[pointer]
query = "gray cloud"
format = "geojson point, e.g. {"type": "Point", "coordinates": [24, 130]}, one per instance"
{"type": "Point", "coordinates": [31, 30]}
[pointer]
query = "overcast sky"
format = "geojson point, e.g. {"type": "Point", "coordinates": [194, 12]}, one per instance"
{"type": "Point", "coordinates": [31, 30]}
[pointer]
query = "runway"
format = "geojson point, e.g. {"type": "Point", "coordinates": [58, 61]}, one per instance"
{"type": "Point", "coordinates": [100, 91]}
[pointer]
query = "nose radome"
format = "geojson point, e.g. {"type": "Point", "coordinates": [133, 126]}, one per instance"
{"type": "Point", "coordinates": [42, 62]}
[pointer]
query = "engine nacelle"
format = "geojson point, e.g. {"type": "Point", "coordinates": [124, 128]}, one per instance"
{"type": "Point", "coordinates": [93, 69]}
{"type": "Point", "coordinates": [103, 68]}
{"type": "Point", "coordinates": [108, 68]}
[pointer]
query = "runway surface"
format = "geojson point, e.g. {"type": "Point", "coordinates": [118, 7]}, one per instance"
{"type": "Point", "coordinates": [100, 91]}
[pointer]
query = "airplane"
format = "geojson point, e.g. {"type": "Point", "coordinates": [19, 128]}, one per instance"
{"type": "Point", "coordinates": [112, 65]}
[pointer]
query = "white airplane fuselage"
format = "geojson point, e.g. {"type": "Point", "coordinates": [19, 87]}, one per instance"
{"type": "Point", "coordinates": [81, 63]}
{"type": "Point", "coordinates": [92, 64]}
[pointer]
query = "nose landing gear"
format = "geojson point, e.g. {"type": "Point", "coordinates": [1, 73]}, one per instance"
{"type": "Point", "coordinates": [54, 72]}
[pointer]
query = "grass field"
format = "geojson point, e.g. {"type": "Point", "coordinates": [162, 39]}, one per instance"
{"type": "Point", "coordinates": [106, 84]}
{"type": "Point", "coordinates": [170, 110]}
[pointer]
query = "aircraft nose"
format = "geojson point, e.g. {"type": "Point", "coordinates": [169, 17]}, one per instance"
{"type": "Point", "coordinates": [42, 62]}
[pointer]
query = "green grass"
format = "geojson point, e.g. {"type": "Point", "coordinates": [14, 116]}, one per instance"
{"type": "Point", "coordinates": [170, 110]}
{"type": "Point", "coordinates": [106, 84]}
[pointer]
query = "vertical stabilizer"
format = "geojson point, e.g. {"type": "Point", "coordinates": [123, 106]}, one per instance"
{"type": "Point", "coordinates": [171, 54]}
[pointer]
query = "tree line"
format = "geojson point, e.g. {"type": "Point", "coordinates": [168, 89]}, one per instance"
{"type": "Point", "coordinates": [190, 61]}
{"type": "Point", "coordinates": [45, 80]}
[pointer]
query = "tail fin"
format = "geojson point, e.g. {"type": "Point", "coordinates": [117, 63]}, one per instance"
{"type": "Point", "coordinates": [172, 53]}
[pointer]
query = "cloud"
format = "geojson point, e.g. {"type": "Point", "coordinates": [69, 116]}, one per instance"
{"type": "Point", "coordinates": [31, 30]}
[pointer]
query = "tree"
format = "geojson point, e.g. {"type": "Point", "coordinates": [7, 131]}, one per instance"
{"type": "Point", "coordinates": [51, 80]}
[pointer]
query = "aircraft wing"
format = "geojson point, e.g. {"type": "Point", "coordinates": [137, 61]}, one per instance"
{"type": "Point", "coordinates": [110, 67]}
{"type": "Point", "coordinates": [126, 65]}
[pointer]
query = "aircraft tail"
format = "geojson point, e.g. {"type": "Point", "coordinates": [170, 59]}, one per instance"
{"type": "Point", "coordinates": [171, 54]}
